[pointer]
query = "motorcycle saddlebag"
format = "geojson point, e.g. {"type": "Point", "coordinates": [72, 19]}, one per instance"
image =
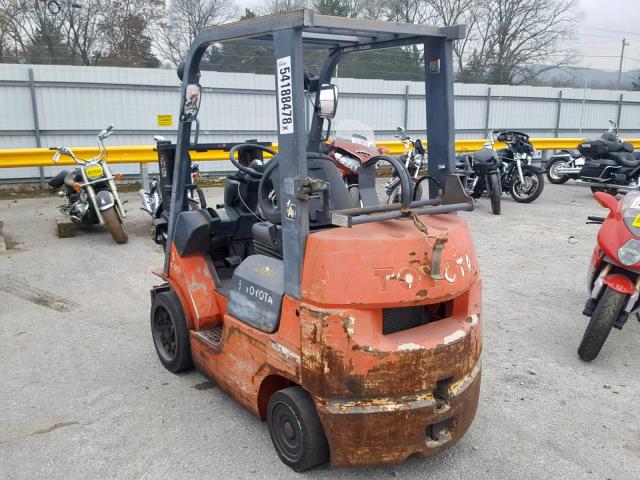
{"type": "Point", "coordinates": [594, 168]}
{"type": "Point", "coordinates": [596, 148]}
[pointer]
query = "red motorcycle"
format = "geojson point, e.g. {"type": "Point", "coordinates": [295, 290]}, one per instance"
{"type": "Point", "coordinates": [614, 275]}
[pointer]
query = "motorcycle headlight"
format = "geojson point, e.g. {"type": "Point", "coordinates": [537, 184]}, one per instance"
{"type": "Point", "coordinates": [629, 253]}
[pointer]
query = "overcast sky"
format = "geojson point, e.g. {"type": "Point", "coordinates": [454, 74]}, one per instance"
{"type": "Point", "coordinates": [599, 35]}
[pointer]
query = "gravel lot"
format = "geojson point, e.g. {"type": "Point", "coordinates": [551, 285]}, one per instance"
{"type": "Point", "coordinates": [83, 395]}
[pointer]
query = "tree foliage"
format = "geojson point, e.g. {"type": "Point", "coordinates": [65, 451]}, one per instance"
{"type": "Point", "coordinates": [508, 41]}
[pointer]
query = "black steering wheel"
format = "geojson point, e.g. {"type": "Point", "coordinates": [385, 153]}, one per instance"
{"type": "Point", "coordinates": [272, 212]}
{"type": "Point", "coordinates": [266, 186]}
{"type": "Point", "coordinates": [246, 146]}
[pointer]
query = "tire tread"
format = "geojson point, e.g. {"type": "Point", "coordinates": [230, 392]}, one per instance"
{"type": "Point", "coordinates": [601, 323]}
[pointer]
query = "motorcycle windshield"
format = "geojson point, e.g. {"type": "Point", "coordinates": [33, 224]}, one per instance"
{"type": "Point", "coordinates": [631, 212]}
{"type": "Point", "coordinates": [355, 131]}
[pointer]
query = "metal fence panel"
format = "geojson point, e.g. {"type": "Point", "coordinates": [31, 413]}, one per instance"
{"type": "Point", "coordinates": [73, 103]}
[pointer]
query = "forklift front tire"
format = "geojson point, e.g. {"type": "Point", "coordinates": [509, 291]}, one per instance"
{"type": "Point", "coordinates": [170, 332]}
{"type": "Point", "coordinates": [295, 429]}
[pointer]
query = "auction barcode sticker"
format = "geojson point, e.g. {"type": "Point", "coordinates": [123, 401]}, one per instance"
{"type": "Point", "coordinates": [285, 99]}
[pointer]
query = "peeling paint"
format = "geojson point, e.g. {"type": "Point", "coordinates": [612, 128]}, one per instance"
{"type": "Point", "coordinates": [461, 385]}
{"type": "Point", "coordinates": [474, 319]}
{"type": "Point", "coordinates": [379, 405]}
{"type": "Point", "coordinates": [455, 336]}
{"type": "Point", "coordinates": [285, 352]}
{"type": "Point", "coordinates": [407, 347]}
{"type": "Point", "coordinates": [349, 324]}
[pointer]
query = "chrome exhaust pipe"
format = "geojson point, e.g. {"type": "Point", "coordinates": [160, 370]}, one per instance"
{"type": "Point", "coordinates": [568, 170]}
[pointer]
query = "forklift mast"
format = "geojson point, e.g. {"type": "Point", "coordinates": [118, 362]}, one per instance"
{"type": "Point", "coordinates": [289, 34]}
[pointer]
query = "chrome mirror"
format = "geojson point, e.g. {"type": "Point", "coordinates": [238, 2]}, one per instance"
{"type": "Point", "coordinates": [328, 101]}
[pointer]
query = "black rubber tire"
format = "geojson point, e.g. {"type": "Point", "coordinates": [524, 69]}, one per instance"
{"type": "Point", "coordinates": [114, 225]}
{"type": "Point", "coordinates": [536, 193]}
{"type": "Point", "coordinates": [496, 193]}
{"type": "Point", "coordinates": [354, 194]}
{"type": "Point", "coordinates": [174, 352]}
{"type": "Point", "coordinates": [295, 429]}
{"type": "Point", "coordinates": [394, 196]}
{"type": "Point", "coordinates": [604, 316]}
{"type": "Point", "coordinates": [554, 180]}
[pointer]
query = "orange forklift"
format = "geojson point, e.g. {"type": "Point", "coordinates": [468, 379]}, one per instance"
{"type": "Point", "coordinates": [354, 332]}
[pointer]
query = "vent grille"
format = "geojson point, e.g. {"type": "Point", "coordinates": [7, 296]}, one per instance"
{"type": "Point", "coordinates": [403, 318]}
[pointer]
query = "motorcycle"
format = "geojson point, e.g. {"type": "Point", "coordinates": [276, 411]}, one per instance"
{"type": "Point", "coordinates": [480, 175]}
{"type": "Point", "coordinates": [522, 180]}
{"type": "Point", "coordinates": [613, 279]}
{"type": "Point", "coordinates": [567, 164]}
{"type": "Point", "coordinates": [349, 156]}
{"type": "Point", "coordinates": [156, 201]}
{"type": "Point", "coordinates": [414, 160]}
{"type": "Point", "coordinates": [611, 164]}
{"type": "Point", "coordinates": [152, 201]}
{"type": "Point", "coordinates": [90, 190]}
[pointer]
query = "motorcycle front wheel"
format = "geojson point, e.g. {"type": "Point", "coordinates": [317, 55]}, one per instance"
{"type": "Point", "coordinates": [528, 191]}
{"type": "Point", "coordinates": [394, 196]}
{"type": "Point", "coordinates": [552, 171]}
{"type": "Point", "coordinates": [495, 193]}
{"type": "Point", "coordinates": [601, 323]}
{"type": "Point", "coordinates": [115, 225]}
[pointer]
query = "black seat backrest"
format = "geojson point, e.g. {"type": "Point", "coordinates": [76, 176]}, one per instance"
{"type": "Point", "coordinates": [322, 167]}
{"type": "Point", "coordinates": [193, 232]}
{"type": "Point", "coordinates": [339, 195]}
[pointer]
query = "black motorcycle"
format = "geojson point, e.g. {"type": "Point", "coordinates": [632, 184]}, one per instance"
{"type": "Point", "coordinates": [522, 180]}
{"type": "Point", "coordinates": [480, 175]}
{"type": "Point", "coordinates": [611, 164]}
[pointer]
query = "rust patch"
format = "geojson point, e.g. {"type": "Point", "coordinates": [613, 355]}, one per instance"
{"type": "Point", "coordinates": [421, 293]}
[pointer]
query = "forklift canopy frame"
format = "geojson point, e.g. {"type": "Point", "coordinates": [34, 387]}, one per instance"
{"type": "Point", "coordinates": [288, 34]}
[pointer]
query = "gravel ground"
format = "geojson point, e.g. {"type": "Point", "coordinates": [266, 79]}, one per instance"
{"type": "Point", "coordinates": [82, 394]}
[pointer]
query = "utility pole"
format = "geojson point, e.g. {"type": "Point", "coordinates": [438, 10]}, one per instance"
{"type": "Point", "coordinates": [624, 44]}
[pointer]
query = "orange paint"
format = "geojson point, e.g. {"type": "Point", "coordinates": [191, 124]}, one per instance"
{"type": "Point", "coordinates": [378, 396]}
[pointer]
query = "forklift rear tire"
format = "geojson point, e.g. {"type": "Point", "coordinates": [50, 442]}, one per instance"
{"type": "Point", "coordinates": [295, 429]}
{"type": "Point", "coordinates": [170, 332]}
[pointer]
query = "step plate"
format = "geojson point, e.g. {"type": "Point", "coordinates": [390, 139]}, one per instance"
{"type": "Point", "coordinates": [213, 335]}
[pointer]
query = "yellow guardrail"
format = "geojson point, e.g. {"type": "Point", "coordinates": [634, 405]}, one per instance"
{"type": "Point", "coordinates": [41, 157]}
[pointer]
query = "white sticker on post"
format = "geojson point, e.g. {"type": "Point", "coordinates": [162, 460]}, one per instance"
{"type": "Point", "coordinates": [285, 98]}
